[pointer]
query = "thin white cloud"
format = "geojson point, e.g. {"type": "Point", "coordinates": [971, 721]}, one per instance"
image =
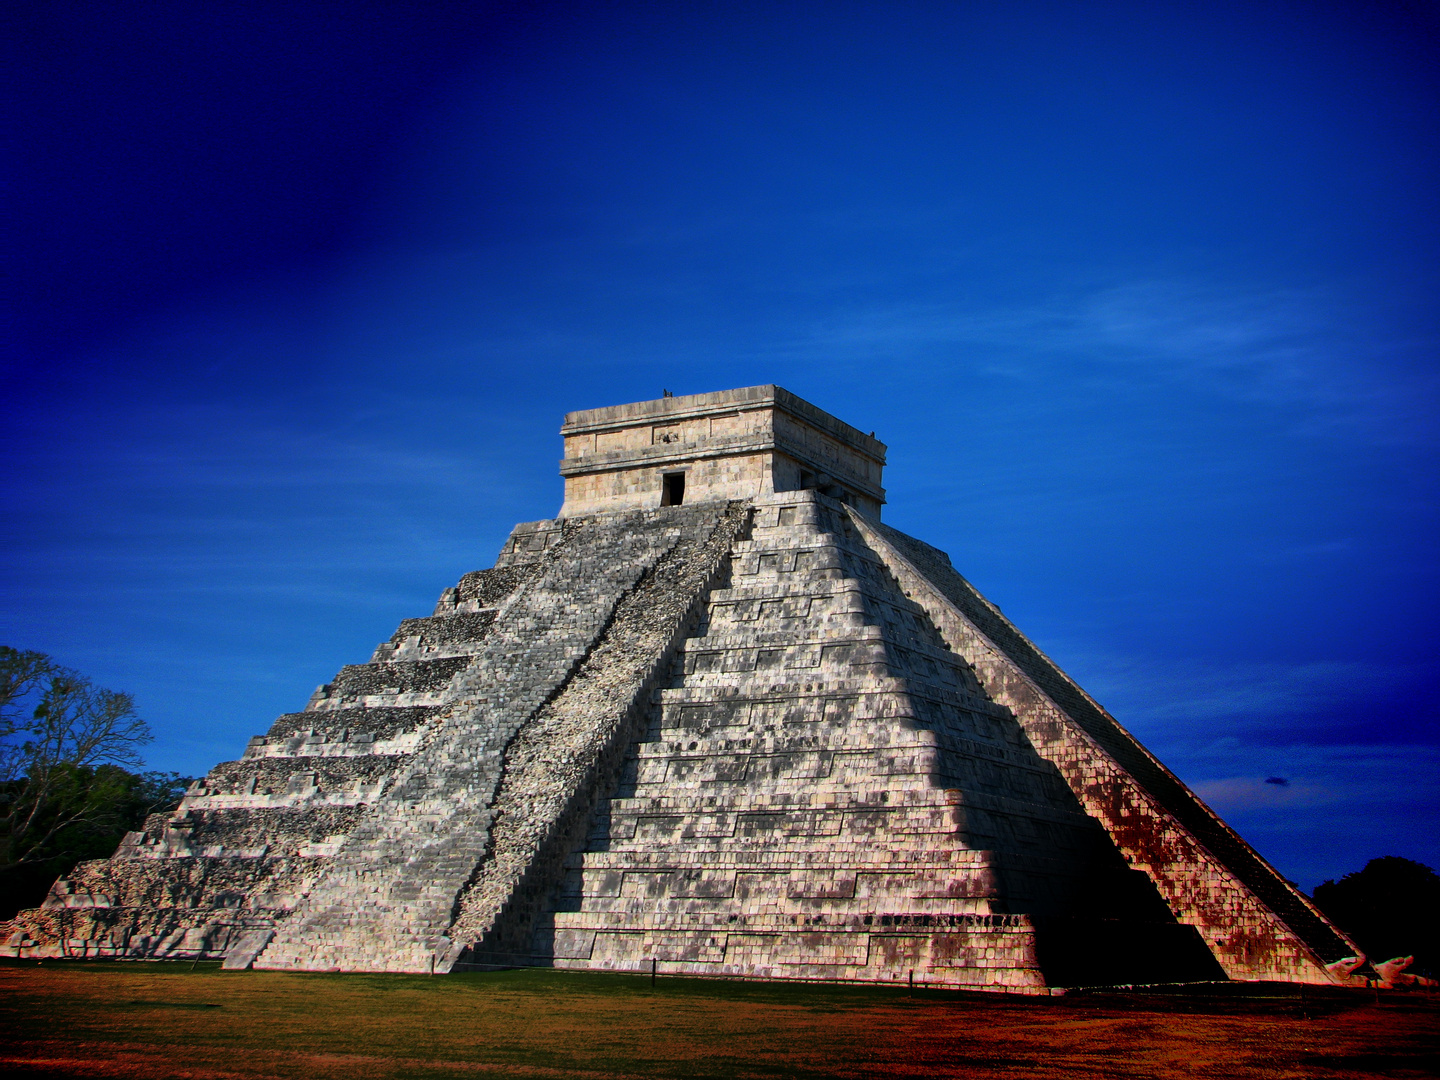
{"type": "Point", "coordinates": [1340, 805]}
{"type": "Point", "coordinates": [1316, 355]}
{"type": "Point", "coordinates": [1165, 694]}
{"type": "Point", "coordinates": [1233, 793]}
{"type": "Point", "coordinates": [1352, 779]}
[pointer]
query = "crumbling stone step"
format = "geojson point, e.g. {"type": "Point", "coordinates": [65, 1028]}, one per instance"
{"type": "Point", "coordinates": [241, 833]}
{"type": "Point", "coordinates": [457, 634]}
{"type": "Point", "coordinates": [357, 728]}
{"type": "Point", "coordinates": [357, 681]}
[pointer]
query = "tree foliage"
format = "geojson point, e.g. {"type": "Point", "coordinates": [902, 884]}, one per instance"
{"type": "Point", "coordinates": [1389, 909]}
{"type": "Point", "coordinates": [128, 799]}
{"type": "Point", "coordinates": [67, 789]}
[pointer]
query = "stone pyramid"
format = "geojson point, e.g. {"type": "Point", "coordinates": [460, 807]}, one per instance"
{"type": "Point", "coordinates": [714, 719]}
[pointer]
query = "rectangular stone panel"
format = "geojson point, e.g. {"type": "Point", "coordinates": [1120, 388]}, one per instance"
{"type": "Point", "coordinates": [790, 949]}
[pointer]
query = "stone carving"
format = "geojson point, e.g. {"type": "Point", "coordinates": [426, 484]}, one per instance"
{"type": "Point", "coordinates": [1343, 970]}
{"type": "Point", "coordinates": [730, 725]}
{"type": "Point", "coordinates": [1393, 975]}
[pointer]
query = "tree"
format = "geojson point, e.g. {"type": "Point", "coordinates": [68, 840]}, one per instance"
{"type": "Point", "coordinates": [64, 747]}
{"type": "Point", "coordinates": [1389, 909]}
{"type": "Point", "coordinates": [132, 798]}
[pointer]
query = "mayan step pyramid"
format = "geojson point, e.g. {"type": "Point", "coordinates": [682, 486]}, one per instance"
{"type": "Point", "coordinates": [717, 719]}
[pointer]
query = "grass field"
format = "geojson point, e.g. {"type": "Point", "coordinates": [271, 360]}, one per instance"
{"type": "Point", "coordinates": [165, 1020]}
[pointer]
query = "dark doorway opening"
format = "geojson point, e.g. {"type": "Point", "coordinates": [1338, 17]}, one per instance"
{"type": "Point", "coordinates": [673, 493]}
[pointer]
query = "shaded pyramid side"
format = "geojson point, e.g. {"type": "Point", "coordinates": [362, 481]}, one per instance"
{"type": "Point", "coordinates": [1256, 924]}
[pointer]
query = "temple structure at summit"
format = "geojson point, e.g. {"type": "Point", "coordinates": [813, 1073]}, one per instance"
{"type": "Point", "coordinates": [714, 718]}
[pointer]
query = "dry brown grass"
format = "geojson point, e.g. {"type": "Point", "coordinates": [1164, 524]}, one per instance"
{"type": "Point", "coordinates": [162, 1020]}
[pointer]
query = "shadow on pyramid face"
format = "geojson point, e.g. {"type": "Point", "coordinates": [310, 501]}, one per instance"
{"type": "Point", "coordinates": [826, 778]}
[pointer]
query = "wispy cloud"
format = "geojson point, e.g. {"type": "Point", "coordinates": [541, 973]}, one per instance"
{"type": "Point", "coordinates": [1158, 694]}
{"type": "Point", "coordinates": [1318, 355]}
{"type": "Point", "coordinates": [220, 501]}
{"type": "Point", "coordinates": [1321, 549]}
{"type": "Point", "coordinates": [1232, 793]}
{"type": "Point", "coordinates": [1342, 806]}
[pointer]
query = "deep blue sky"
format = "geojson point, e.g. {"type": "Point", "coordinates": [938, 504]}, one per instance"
{"type": "Point", "coordinates": [1141, 296]}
